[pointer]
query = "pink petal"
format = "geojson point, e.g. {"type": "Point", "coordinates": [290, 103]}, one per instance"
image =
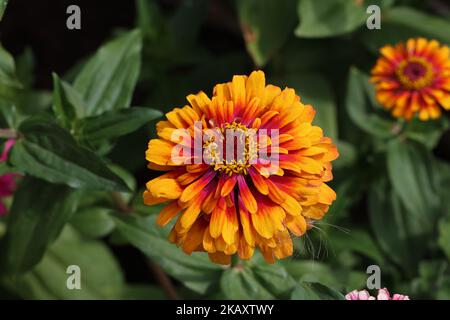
{"type": "Point", "coordinates": [8, 146]}
{"type": "Point", "coordinates": [383, 294]}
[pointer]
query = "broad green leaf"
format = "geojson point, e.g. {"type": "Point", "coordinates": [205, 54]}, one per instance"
{"type": "Point", "coordinates": [331, 276]}
{"type": "Point", "coordinates": [149, 19]}
{"type": "Point", "coordinates": [63, 107]}
{"type": "Point", "coordinates": [427, 133]}
{"type": "Point", "coordinates": [444, 236]}
{"type": "Point", "coordinates": [3, 4]}
{"type": "Point", "coordinates": [25, 67]}
{"type": "Point", "coordinates": [94, 222]}
{"type": "Point", "coordinates": [315, 90]}
{"type": "Point", "coordinates": [107, 80]}
{"type": "Point", "coordinates": [184, 26]}
{"type": "Point", "coordinates": [142, 292]}
{"type": "Point", "coordinates": [194, 271]}
{"type": "Point", "coordinates": [275, 279]}
{"type": "Point", "coordinates": [411, 173]}
{"type": "Point", "coordinates": [8, 77]}
{"type": "Point", "coordinates": [49, 152]}
{"type": "Point", "coordinates": [5, 168]}
{"type": "Point", "coordinates": [315, 291]}
{"type": "Point", "coordinates": [347, 155]}
{"type": "Point", "coordinates": [400, 23]}
{"type": "Point", "coordinates": [329, 18]}
{"type": "Point", "coordinates": [402, 237]}
{"type": "Point", "coordinates": [266, 25]}
{"type": "Point", "coordinates": [114, 124]}
{"type": "Point", "coordinates": [356, 240]}
{"type": "Point", "coordinates": [303, 292]}
{"type": "Point", "coordinates": [101, 276]}
{"type": "Point", "coordinates": [38, 214]}
{"type": "Point", "coordinates": [433, 281]}
{"type": "Point", "coordinates": [241, 283]}
{"type": "Point", "coordinates": [361, 112]}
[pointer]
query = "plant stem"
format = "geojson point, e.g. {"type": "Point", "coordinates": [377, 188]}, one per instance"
{"type": "Point", "coordinates": [235, 261]}
{"type": "Point", "coordinates": [163, 280]}
{"type": "Point", "coordinates": [8, 133]}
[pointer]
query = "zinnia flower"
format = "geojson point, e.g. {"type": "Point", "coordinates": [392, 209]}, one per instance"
{"type": "Point", "coordinates": [227, 207]}
{"type": "Point", "coordinates": [7, 181]}
{"type": "Point", "coordinates": [359, 295]}
{"type": "Point", "coordinates": [383, 294]}
{"type": "Point", "coordinates": [413, 78]}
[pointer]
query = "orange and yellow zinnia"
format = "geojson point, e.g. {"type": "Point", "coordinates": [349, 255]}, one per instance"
{"type": "Point", "coordinates": [413, 78]}
{"type": "Point", "coordinates": [232, 207]}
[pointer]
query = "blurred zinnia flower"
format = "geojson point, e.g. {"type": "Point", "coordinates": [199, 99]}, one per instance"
{"type": "Point", "coordinates": [413, 78]}
{"type": "Point", "coordinates": [383, 294]}
{"type": "Point", "coordinates": [7, 181]}
{"type": "Point", "coordinates": [229, 206]}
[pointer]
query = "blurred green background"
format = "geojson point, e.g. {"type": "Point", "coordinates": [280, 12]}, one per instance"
{"type": "Point", "coordinates": [392, 178]}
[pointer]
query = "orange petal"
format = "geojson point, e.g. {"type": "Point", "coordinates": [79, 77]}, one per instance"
{"type": "Point", "coordinates": [228, 186]}
{"type": "Point", "coordinates": [218, 219]}
{"type": "Point", "coordinates": [246, 195]}
{"type": "Point", "coordinates": [194, 188]}
{"type": "Point", "coordinates": [167, 213]}
{"type": "Point", "coordinates": [259, 181]}
{"type": "Point", "coordinates": [220, 258]}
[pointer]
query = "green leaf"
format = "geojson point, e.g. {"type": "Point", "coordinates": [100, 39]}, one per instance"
{"type": "Point", "coordinates": [347, 155]}
{"type": "Point", "coordinates": [331, 276]}
{"type": "Point", "coordinates": [5, 169]}
{"type": "Point", "coordinates": [444, 236]}
{"type": "Point", "coordinates": [427, 133]}
{"type": "Point", "coordinates": [275, 279]}
{"type": "Point", "coordinates": [101, 276]}
{"type": "Point", "coordinates": [94, 222]}
{"type": "Point", "coordinates": [358, 241]}
{"type": "Point", "coordinates": [63, 107]}
{"type": "Point", "coordinates": [107, 80]}
{"type": "Point", "coordinates": [411, 173]}
{"type": "Point", "coordinates": [194, 271]}
{"type": "Point", "coordinates": [359, 109]}
{"type": "Point", "coordinates": [240, 283]}
{"type": "Point", "coordinates": [142, 292]}
{"type": "Point", "coordinates": [433, 281]}
{"type": "Point", "coordinates": [3, 4]}
{"type": "Point", "coordinates": [402, 237]}
{"type": "Point", "coordinates": [8, 77]}
{"type": "Point", "coordinates": [38, 214]}
{"type": "Point", "coordinates": [401, 23]}
{"type": "Point", "coordinates": [184, 26]}
{"type": "Point", "coordinates": [114, 124]}
{"type": "Point", "coordinates": [264, 39]}
{"type": "Point", "coordinates": [330, 18]}
{"type": "Point", "coordinates": [315, 291]}
{"type": "Point", "coordinates": [49, 152]}
{"type": "Point", "coordinates": [149, 19]}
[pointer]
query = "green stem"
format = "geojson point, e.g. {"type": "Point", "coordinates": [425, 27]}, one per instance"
{"type": "Point", "coordinates": [8, 133]}
{"type": "Point", "coordinates": [235, 261]}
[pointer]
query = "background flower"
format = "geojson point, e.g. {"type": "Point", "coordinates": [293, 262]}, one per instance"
{"type": "Point", "coordinates": [7, 181]}
{"type": "Point", "coordinates": [383, 294]}
{"type": "Point", "coordinates": [413, 78]}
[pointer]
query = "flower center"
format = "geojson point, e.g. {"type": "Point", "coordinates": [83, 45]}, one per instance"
{"type": "Point", "coordinates": [415, 73]}
{"type": "Point", "coordinates": [231, 149]}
